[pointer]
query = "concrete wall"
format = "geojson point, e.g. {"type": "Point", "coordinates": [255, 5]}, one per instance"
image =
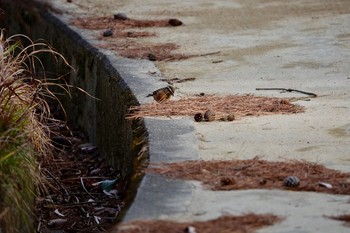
{"type": "Point", "coordinates": [103, 120]}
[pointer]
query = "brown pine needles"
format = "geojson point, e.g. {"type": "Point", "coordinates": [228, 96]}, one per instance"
{"type": "Point", "coordinates": [256, 174]}
{"type": "Point", "coordinates": [238, 105]}
{"type": "Point", "coordinates": [225, 224]}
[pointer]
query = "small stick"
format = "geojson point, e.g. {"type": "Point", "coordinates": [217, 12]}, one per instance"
{"type": "Point", "coordinates": [58, 183]}
{"type": "Point", "coordinates": [185, 80]}
{"type": "Point", "coordinates": [88, 177]}
{"type": "Point", "coordinates": [192, 55]}
{"type": "Point", "coordinates": [206, 54]}
{"type": "Point", "coordinates": [82, 184]}
{"type": "Point", "coordinates": [288, 90]}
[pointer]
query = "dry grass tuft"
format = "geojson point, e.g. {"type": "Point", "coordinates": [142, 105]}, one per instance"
{"type": "Point", "coordinates": [239, 105]}
{"type": "Point", "coordinates": [24, 136]}
{"type": "Point", "coordinates": [256, 174]}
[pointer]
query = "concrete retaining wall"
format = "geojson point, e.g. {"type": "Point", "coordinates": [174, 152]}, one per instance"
{"type": "Point", "coordinates": [103, 119]}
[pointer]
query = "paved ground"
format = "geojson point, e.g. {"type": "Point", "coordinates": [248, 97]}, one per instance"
{"type": "Point", "coordinates": [298, 44]}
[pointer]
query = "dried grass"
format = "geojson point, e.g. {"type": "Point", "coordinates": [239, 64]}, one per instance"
{"type": "Point", "coordinates": [256, 173]}
{"type": "Point", "coordinates": [226, 224]}
{"type": "Point", "coordinates": [24, 136]}
{"type": "Point", "coordinates": [239, 105]}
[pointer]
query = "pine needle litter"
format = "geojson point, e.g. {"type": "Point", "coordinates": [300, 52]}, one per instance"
{"type": "Point", "coordinates": [239, 105]}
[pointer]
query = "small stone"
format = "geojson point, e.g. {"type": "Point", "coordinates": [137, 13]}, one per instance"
{"type": "Point", "coordinates": [202, 94]}
{"type": "Point", "coordinates": [198, 117]}
{"type": "Point", "coordinates": [120, 16]}
{"type": "Point", "coordinates": [209, 115]}
{"type": "Point", "coordinates": [231, 117]}
{"type": "Point", "coordinates": [291, 181]}
{"type": "Point", "coordinates": [152, 57]}
{"type": "Point", "coordinates": [174, 22]}
{"type": "Point", "coordinates": [108, 32]}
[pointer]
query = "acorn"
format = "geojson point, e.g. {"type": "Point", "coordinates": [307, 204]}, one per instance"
{"type": "Point", "coordinates": [291, 181]}
{"type": "Point", "coordinates": [120, 16]}
{"type": "Point", "coordinates": [151, 57]}
{"type": "Point", "coordinates": [108, 32]}
{"type": "Point", "coordinates": [209, 115]}
{"type": "Point", "coordinates": [174, 22]}
{"type": "Point", "coordinates": [198, 117]}
{"type": "Point", "coordinates": [231, 117]}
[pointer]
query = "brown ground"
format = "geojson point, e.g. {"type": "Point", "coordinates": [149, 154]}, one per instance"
{"type": "Point", "coordinates": [70, 174]}
{"type": "Point", "coordinates": [227, 224]}
{"type": "Point", "coordinates": [256, 174]}
{"type": "Point", "coordinates": [123, 39]}
{"type": "Point", "coordinates": [238, 105]}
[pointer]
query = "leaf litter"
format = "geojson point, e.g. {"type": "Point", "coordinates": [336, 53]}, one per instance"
{"type": "Point", "coordinates": [83, 193]}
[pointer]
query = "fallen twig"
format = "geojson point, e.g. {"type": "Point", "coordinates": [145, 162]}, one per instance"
{"type": "Point", "coordinates": [206, 54]}
{"type": "Point", "coordinates": [177, 80]}
{"type": "Point", "coordinates": [58, 183]}
{"type": "Point", "coordinates": [82, 184]}
{"type": "Point", "coordinates": [288, 90]}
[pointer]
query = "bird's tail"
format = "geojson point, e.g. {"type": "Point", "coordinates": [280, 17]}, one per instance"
{"type": "Point", "coordinates": [149, 95]}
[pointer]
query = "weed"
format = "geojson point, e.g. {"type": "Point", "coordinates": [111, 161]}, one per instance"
{"type": "Point", "coordinates": [24, 131]}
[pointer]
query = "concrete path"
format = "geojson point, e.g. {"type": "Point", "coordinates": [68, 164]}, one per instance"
{"type": "Point", "coordinates": [299, 44]}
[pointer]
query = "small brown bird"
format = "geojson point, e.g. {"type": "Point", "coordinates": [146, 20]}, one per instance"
{"type": "Point", "coordinates": [163, 94]}
{"type": "Point", "coordinates": [209, 115]}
